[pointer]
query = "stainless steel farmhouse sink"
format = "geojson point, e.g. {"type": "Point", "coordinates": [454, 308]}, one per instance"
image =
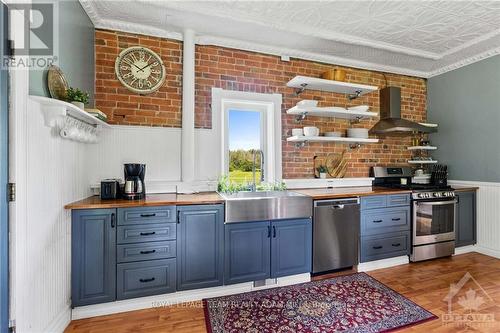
{"type": "Point", "coordinates": [262, 206]}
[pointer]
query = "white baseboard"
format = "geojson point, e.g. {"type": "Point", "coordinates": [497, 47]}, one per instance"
{"type": "Point", "coordinates": [59, 324]}
{"type": "Point", "coordinates": [384, 263]}
{"type": "Point", "coordinates": [179, 297]}
{"type": "Point", "coordinates": [487, 251]}
{"type": "Point", "coordinates": [466, 249]}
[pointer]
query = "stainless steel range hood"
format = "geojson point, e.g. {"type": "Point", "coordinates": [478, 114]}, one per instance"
{"type": "Point", "coordinates": [390, 116]}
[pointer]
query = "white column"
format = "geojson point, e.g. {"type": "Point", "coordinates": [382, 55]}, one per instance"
{"type": "Point", "coordinates": [188, 152]}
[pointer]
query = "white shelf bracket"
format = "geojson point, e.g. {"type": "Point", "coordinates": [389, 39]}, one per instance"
{"type": "Point", "coordinates": [52, 114]}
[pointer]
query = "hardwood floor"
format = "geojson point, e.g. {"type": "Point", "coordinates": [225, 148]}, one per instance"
{"type": "Point", "coordinates": [425, 283]}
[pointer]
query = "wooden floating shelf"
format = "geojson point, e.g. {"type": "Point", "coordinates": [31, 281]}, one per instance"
{"type": "Point", "coordinates": [333, 111]}
{"type": "Point", "coordinates": [422, 148]}
{"type": "Point", "coordinates": [422, 162]}
{"type": "Point", "coordinates": [329, 139]}
{"type": "Point", "coordinates": [314, 83]}
{"type": "Point", "coordinates": [54, 108]}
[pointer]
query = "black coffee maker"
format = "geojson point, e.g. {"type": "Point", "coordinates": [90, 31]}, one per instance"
{"type": "Point", "coordinates": [134, 188]}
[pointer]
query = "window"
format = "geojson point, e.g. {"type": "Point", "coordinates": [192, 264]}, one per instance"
{"type": "Point", "coordinates": [248, 123]}
{"type": "Point", "coordinates": [245, 143]}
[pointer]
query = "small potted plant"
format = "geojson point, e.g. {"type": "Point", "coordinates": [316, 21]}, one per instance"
{"type": "Point", "coordinates": [77, 97]}
{"type": "Point", "coordinates": [322, 170]}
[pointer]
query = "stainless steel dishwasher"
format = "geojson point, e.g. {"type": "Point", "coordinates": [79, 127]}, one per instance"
{"type": "Point", "coordinates": [335, 234]}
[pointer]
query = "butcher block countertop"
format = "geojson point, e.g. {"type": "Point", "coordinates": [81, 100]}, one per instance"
{"type": "Point", "coordinates": [164, 199]}
{"type": "Point", "coordinates": [464, 188]}
{"type": "Point", "coordinates": [345, 192]}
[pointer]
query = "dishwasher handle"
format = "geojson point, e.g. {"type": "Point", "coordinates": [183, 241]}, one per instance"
{"type": "Point", "coordinates": [337, 203]}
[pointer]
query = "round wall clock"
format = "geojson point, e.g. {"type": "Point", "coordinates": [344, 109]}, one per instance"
{"type": "Point", "coordinates": [140, 70]}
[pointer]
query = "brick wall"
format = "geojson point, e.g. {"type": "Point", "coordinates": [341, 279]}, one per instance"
{"type": "Point", "coordinates": [162, 108]}
{"type": "Point", "coordinates": [248, 71]}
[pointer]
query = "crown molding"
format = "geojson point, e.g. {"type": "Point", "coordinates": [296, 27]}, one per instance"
{"type": "Point", "coordinates": [464, 62]}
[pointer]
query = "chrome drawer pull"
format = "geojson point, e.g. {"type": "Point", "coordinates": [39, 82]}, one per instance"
{"type": "Point", "coordinates": [378, 221]}
{"type": "Point", "coordinates": [377, 247]}
{"type": "Point", "coordinates": [146, 280]}
{"type": "Point", "coordinates": [148, 233]}
{"type": "Point", "coordinates": [148, 252]}
{"type": "Point", "coordinates": [396, 245]}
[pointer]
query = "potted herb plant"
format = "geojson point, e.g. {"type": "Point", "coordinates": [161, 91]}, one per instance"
{"type": "Point", "coordinates": [77, 97]}
{"type": "Point", "coordinates": [322, 170]}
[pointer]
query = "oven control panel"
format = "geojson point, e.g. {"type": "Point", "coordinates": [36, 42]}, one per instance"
{"type": "Point", "coordinates": [431, 195]}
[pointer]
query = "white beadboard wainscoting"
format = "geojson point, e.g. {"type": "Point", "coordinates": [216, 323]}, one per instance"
{"type": "Point", "coordinates": [488, 216]}
{"type": "Point", "coordinates": [52, 172]}
{"type": "Point", "coordinates": [159, 148]}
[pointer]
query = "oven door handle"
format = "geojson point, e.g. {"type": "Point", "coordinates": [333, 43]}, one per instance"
{"type": "Point", "coordinates": [437, 203]}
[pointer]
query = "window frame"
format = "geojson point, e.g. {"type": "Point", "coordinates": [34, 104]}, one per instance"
{"type": "Point", "coordinates": [270, 106]}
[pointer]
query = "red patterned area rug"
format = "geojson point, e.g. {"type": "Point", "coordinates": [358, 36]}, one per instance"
{"type": "Point", "coordinates": [352, 303]}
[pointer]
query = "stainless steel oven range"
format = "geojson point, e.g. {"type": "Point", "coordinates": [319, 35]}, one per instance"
{"type": "Point", "coordinates": [433, 224]}
{"type": "Point", "coordinates": [433, 212]}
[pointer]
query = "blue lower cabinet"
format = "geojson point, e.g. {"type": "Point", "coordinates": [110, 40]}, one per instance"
{"type": "Point", "coordinates": [200, 246]}
{"type": "Point", "coordinates": [93, 256]}
{"type": "Point", "coordinates": [291, 247]}
{"type": "Point", "coordinates": [465, 225]}
{"type": "Point", "coordinates": [247, 251]}
{"type": "Point", "coordinates": [145, 278]}
{"type": "Point", "coordinates": [385, 246]}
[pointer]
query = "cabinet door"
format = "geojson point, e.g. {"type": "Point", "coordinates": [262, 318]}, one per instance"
{"type": "Point", "coordinates": [291, 247]}
{"type": "Point", "coordinates": [93, 274]}
{"type": "Point", "coordinates": [465, 227]}
{"type": "Point", "coordinates": [247, 251]}
{"type": "Point", "coordinates": [200, 246]}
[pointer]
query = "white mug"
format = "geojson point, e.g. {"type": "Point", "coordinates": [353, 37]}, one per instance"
{"type": "Point", "coordinates": [297, 132]}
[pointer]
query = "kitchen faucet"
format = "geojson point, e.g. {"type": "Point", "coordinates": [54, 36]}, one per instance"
{"type": "Point", "coordinates": [254, 186]}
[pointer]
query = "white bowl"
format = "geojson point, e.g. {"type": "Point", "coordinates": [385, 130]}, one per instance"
{"type": "Point", "coordinates": [297, 132]}
{"type": "Point", "coordinates": [307, 103]}
{"type": "Point", "coordinates": [359, 133]}
{"type": "Point", "coordinates": [359, 108]}
{"type": "Point", "coordinates": [311, 131]}
{"type": "Point", "coordinates": [333, 134]}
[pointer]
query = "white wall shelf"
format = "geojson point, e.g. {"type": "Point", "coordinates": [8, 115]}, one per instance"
{"type": "Point", "coordinates": [333, 111]}
{"type": "Point", "coordinates": [300, 140]}
{"type": "Point", "coordinates": [422, 161]}
{"type": "Point", "coordinates": [352, 89]}
{"type": "Point", "coordinates": [422, 148]}
{"type": "Point", "coordinates": [54, 109]}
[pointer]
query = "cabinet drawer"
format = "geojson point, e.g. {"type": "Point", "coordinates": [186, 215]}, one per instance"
{"type": "Point", "coordinates": [145, 278]}
{"type": "Point", "coordinates": [398, 200]}
{"type": "Point", "coordinates": [385, 220]}
{"type": "Point", "coordinates": [145, 251]}
{"type": "Point", "coordinates": [377, 201]}
{"type": "Point", "coordinates": [387, 246]}
{"type": "Point", "coordinates": [145, 233]}
{"type": "Point", "coordinates": [146, 215]}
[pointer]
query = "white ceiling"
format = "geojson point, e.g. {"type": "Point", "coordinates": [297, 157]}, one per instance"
{"type": "Point", "coordinates": [420, 38]}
